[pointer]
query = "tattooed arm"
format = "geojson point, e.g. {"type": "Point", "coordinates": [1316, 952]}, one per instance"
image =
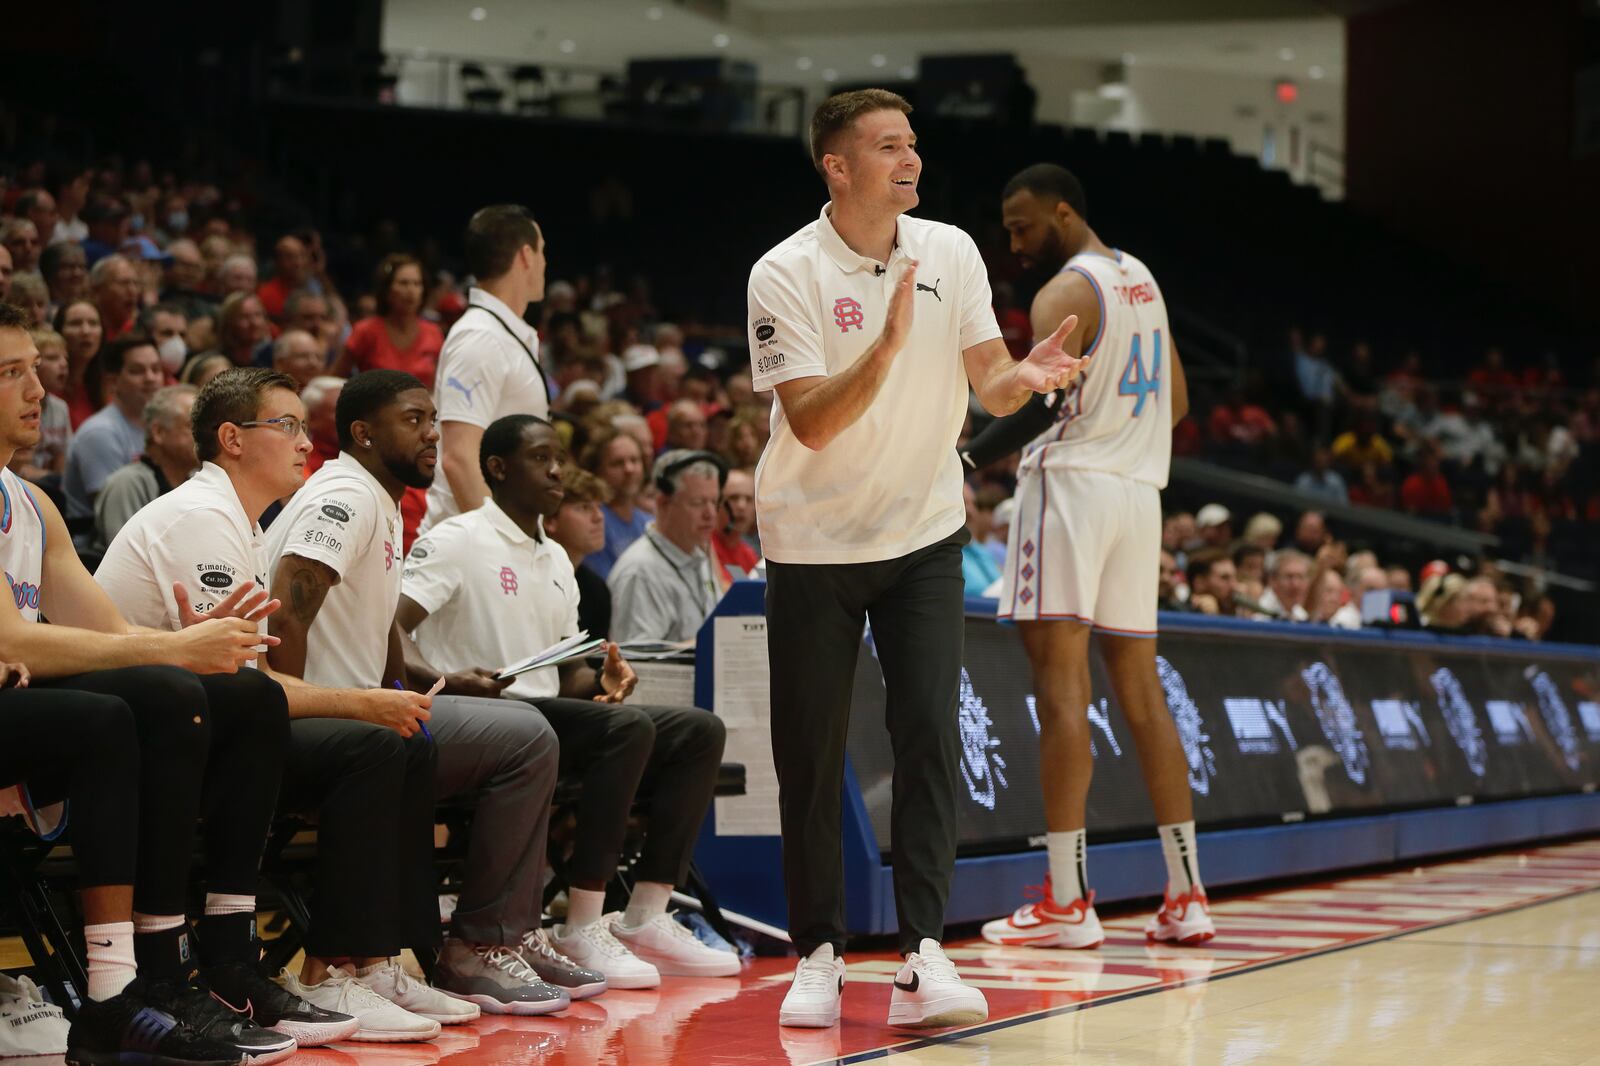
{"type": "Point", "coordinates": [303, 585]}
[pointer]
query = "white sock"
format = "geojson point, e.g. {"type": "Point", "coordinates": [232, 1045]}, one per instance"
{"type": "Point", "coordinates": [584, 906]}
{"type": "Point", "coordinates": [649, 900]}
{"type": "Point", "coordinates": [217, 903]}
{"type": "Point", "coordinates": [1068, 866]}
{"type": "Point", "coordinates": [156, 923]}
{"type": "Point", "coordinates": [1181, 850]}
{"type": "Point", "coordinates": [111, 964]}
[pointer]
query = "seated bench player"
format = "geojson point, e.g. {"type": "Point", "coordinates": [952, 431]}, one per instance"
{"type": "Point", "coordinates": [487, 588]}
{"type": "Point", "coordinates": [335, 552]}
{"type": "Point", "coordinates": [355, 755]}
{"type": "Point", "coordinates": [210, 739]}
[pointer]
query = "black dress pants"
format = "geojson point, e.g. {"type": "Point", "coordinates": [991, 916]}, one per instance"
{"type": "Point", "coordinates": [815, 619]}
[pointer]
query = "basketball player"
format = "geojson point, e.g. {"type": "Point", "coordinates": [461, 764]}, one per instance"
{"type": "Point", "coordinates": [870, 325]}
{"type": "Point", "coordinates": [1084, 551]}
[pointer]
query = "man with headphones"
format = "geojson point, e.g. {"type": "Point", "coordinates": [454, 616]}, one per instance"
{"type": "Point", "coordinates": [665, 584]}
{"type": "Point", "coordinates": [484, 589]}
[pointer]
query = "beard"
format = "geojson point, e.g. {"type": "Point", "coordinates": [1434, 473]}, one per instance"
{"type": "Point", "coordinates": [1053, 253]}
{"type": "Point", "coordinates": [410, 474]}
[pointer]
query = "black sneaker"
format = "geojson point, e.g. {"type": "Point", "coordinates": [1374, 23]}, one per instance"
{"type": "Point", "coordinates": [127, 1029]}
{"type": "Point", "coordinates": [191, 1004]}
{"type": "Point", "coordinates": [242, 988]}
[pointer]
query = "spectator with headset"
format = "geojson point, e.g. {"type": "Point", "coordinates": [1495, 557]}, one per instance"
{"type": "Point", "coordinates": [664, 585]}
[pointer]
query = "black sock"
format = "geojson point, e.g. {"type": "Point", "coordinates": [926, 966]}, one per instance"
{"type": "Point", "coordinates": [166, 954]}
{"type": "Point", "coordinates": [229, 938]}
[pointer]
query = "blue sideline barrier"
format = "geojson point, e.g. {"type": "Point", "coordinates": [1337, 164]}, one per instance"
{"type": "Point", "coordinates": [1323, 782]}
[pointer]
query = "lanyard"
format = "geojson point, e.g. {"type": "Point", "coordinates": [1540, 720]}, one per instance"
{"type": "Point", "coordinates": [693, 592]}
{"type": "Point", "coordinates": [538, 366]}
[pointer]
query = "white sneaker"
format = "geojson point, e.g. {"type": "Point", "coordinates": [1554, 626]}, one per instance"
{"type": "Point", "coordinates": [928, 993]}
{"type": "Point", "coordinates": [594, 948]}
{"type": "Point", "coordinates": [673, 950]}
{"type": "Point", "coordinates": [29, 1025]}
{"type": "Point", "coordinates": [390, 980]}
{"type": "Point", "coordinates": [382, 1022]}
{"type": "Point", "coordinates": [813, 999]}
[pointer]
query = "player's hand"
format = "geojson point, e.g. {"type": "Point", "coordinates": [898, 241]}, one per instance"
{"type": "Point", "coordinates": [247, 601]}
{"type": "Point", "coordinates": [617, 679]}
{"type": "Point", "coordinates": [13, 675]}
{"type": "Point", "coordinates": [897, 328]}
{"type": "Point", "coordinates": [476, 682]}
{"type": "Point", "coordinates": [1048, 367]}
{"type": "Point", "coordinates": [394, 709]}
{"type": "Point", "coordinates": [218, 645]}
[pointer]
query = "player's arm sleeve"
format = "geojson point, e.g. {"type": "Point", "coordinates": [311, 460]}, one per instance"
{"type": "Point", "coordinates": [432, 574]}
{"type": "Point", "coordinates": [978, 323]}
{"type": "Point", "coordinates": [330, 528]}
{"type": "Point", "coordinates": [784, 343]}
{"type": "Point", "coordinates": [469, 384]}
{"type": "Point", "coordinates": [1011, 433]}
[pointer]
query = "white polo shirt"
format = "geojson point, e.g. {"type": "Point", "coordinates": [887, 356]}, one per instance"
{"type": "Point", "coordinates": [486, 371]}
{"type": "Point", "coordinates": [891, 483]}
{"type": "Point", "coordinates": [344, 519]}
{"type": "Point", "coordinates": [494, 595]}
{"type": "Point", "coordinates": [197, 534]}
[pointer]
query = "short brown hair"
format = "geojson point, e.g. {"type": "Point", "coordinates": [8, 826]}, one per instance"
{"type": "Point", "coordinates": [839, 112]}
{"type": "Point", "coordinates": [594, 451]}
{"type": "Point", "coordinates": [580, 486]}
{"type": "Point", "coordinates": [495, 234]}
{"type": "Point", "coordinates": [232, 396]}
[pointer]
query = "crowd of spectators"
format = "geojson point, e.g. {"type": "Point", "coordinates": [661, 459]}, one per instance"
{"type": "Point", "coordinates": [1509, 450]}
{"type": "Point", "coordinates": [144, 286]}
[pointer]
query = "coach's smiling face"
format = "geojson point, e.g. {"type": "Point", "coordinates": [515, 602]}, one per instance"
{"type": "Point", "coordinates": [880, 161]}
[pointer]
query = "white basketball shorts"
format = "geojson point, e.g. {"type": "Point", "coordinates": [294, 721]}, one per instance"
{"type": "Point", "coordinates": [1085, 547]}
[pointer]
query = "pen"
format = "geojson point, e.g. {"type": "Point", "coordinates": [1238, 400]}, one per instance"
{"type": "Point", "coordinates": [437, 685]}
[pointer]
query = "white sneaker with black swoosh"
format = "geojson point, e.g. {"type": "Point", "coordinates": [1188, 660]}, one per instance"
{"type": "Point", "coordinates": [813, 999]}
{"type": "Point", "coordinates": [928, 993]}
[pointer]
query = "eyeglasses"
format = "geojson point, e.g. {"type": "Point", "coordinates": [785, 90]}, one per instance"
{"type": "Point", "coordinates": [288, 425]}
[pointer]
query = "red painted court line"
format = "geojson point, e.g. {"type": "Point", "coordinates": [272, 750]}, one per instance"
{"type": "Point", "coordinates": [721, 1022]}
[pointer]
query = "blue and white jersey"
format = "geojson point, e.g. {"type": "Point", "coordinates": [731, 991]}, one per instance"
{"type": "Point", "coordinates": [21, 544]}
{"type": "Point", "coordinates": [1117, 417]}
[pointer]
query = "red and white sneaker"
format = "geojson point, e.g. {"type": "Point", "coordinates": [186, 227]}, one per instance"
{"type": "Point", "coordinates": [1184, 919]}
{"type": "Point", "coordinates": [1046, 924]}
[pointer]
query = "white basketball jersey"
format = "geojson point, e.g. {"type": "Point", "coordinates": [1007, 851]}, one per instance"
{"type": "Point", "coordinates": [21, 544]}
{"type": "Point", "coordinates": [1117, 417]}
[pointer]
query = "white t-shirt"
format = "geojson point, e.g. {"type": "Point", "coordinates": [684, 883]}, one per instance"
{"type": "Point", "coordinates": [494, 596]}
{"type": "Point", "coordinates": [21, 544]}
{"type": "Point", "coordinates": [197, 534]}
{"type": "Point", "coordinates": [1117, 417]}
{"type": "Point", "coordinates": [486, 371]}
{"type": "Point", "coordinates": [891, 483]}
{"type": "Point", "coordinates": [344, 519]}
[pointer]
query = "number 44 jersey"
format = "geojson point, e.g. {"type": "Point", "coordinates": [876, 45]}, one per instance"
{"type": "Point", "coordinates": [1117, 417]}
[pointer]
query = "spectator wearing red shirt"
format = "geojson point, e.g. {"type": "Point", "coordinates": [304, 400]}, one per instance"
{"type": "Point", "coordinates": [1015, 327]}
{"type": "Point", "coordinates": [1491, 377]}
{"type": "Point", "coordinates": [291, 270]}
{"type": "Point", "coordinates": [321, 397]}
{"type": "Point", "coordinates": [1238, 421]}
{"type": "Point", "coordinates": [1425, 492]}
{"type": "Point", "coordinates": [739, 521]}
{"type": "Point", "coordinates": [397, 337]}
{"type": "Point", "coordinates": [1373, 489]}
{"type": "Point", "coordinates": [114, 288]}
{"type": "Point", "coordinates": [79, 322]}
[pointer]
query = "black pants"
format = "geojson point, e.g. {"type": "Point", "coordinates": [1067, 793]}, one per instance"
{"type": "Point", "coordinates": [80, 747]}
{"type": "Point", "coordinates": [815, 616]}
{"type": "Point", "coordinates": [666, 756]}
{"type": "Point", "coordinates": [210, 746]}
{"type": "Point", "coordinates": [372, 792]}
